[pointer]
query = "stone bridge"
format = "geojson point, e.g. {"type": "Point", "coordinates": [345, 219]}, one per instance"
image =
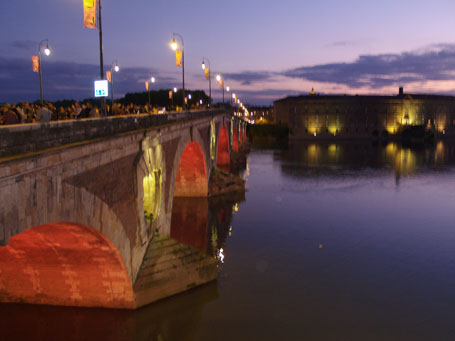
{"type": "Point", "coordinates": [82, 200]}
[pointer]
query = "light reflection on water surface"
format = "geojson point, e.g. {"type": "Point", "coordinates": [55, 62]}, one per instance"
{"type": "Point", "coordinates": [346, 241]}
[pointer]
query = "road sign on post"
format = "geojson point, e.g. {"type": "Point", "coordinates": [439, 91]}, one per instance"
{"type": "Point", "coordinates": [101, 88]}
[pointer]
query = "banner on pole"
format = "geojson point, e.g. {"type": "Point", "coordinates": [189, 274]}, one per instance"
{"type": "Point", "coordinates": [35, 63]}
{"type": "Point", "coordinates": [221, 84]}
{"type": "Point", "coordinates": [109, 76]}
{"type": "Point", "coordinates": [90, 13]}
{"type": "Point", "coordinates": [207, 73]}
{"type": "Point", "coordinates": [170, 94]}
{"type": "Point", "coordinates": [147, 85]}
{"type": "Point", "coordinates": [178, 58]}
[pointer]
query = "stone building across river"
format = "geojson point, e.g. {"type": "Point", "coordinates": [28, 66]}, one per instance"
{"type": "Point", "coordinates": [329, 116]}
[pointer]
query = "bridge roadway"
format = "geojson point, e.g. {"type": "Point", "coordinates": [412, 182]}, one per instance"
{"type": "Point", "coordinates": [83, 200]}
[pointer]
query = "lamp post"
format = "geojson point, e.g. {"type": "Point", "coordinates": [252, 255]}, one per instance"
{"type": "Point", "coordinates": [210, 78]}
{"type": "Point", "coordinates": [175, 91]}
{"type": "Point", "coordinates": [47, 52]}
{"type": "Point", "coordinates": [228, 89]}
{"type": "Point", "coordinates": [220, 79]}
{"type": "Point", "coordinates": [174, 46]}
{"type": "Point", "coordinates": [114, 68]}
{"type": "Point", "coordinates": [152, 80]}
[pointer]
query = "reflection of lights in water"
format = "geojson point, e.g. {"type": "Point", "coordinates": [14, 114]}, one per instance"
{"type": "Point", "coordinates": [221, 255]}
{"type": "Point", "coordinates": [246, 172]}
{"type": "Point", "coordinates": [230, 231]}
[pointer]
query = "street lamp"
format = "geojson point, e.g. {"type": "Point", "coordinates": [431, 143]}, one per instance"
{"type": "Point", "coordinates": [219, 78]}
{"type": "Point", "coordinates": [174, 46]}
{"type": "Point", "coordinates": [175, 91]}
{"type": "Point", "coordinates": [228, 89]}
{"type": "Point", "coordinates": [209, 76]}
{"type": "Point", "coordinates": [116, 68]}
{"type": "Point", "coordinates": [152, 80]}
{"type": "Point", "coordinates": [47, 52]}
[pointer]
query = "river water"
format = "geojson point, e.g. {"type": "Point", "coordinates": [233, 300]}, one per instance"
{"type": "Point", "coordinates": [347, 241]}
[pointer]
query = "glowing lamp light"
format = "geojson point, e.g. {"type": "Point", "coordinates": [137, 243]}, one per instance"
{"type": "Point", "coordinates": [203, 65]}
{"type": "Point", "coordinates": [175, 89]}
{"type": "Point", "coordinates": [189, 96]}
{"type": "Point", "coordinates": [218, 78]}
{"type": "Point", "coordinates": [174, 45]}
{"type": "Point", "coordinates": [314, 134]}
{"type": "Point", "coordinates": [47, 50]}
{"type": "Point", "coordinates": [200, 101]}
{"type": "Point", "coordinates": [152, 79]}
{"type": "Point", "coordinates": [221, 255]}
{"type": "Point", "coordinates": [227, 89]}
{"type": "Point", "coordinates": [116, 68]}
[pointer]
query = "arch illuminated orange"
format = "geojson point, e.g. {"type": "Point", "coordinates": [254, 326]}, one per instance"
{"type": "Point", "coordinates": [64, 264]}
{"type": "Point", "coordinates": [191, 180]}
{"type": "Point", "coordinates": [222, 154]}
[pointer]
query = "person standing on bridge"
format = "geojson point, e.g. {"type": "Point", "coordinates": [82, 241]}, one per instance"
{"type": "Point", "coordinates": [43, 115]}
{"type": "Point", "coordinates": [9, 116]}
{"type": "Point", "coordinates": [94, 112]}
{"type": "Point", "coordinates": [77, 111]}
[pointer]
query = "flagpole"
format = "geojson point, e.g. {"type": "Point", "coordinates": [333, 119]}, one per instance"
{"type": "Point", "coordinates": [103, 100]}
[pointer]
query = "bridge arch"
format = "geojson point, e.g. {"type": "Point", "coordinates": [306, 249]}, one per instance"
{"type": "Point", "coordinates": [191, 179]}
{"type": "Point", "coordinates": [66, 264]}
{"type": "Point", "coordinates": [191, 168]}
{"type": "Point", "coordinates": [223, 152]}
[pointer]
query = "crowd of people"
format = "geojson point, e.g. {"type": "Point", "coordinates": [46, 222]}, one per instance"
{"type": "Point", "coordinates": [36, 113]}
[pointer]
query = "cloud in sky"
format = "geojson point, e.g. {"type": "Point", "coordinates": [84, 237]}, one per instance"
{"type": "Point", "coordinates": [249, 77]}
{"type": "Point", "coordinates": [27, 45]}
{"type": "Point", "coordinates": [435, 63]}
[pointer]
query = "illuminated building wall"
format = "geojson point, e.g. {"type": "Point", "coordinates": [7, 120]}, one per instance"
{"type": "Point", "coordinates": [364, 116]}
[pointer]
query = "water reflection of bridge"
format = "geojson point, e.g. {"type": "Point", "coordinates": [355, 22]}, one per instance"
{"type": "Point", "coordinates": [207, 226]}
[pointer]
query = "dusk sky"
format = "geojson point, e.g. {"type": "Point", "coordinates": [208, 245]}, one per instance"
{"type": "Point", "coordinates": [266, 50]}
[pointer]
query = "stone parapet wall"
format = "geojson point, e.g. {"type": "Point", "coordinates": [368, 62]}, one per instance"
{"type": "Point", "coordinates": [25, 138]}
